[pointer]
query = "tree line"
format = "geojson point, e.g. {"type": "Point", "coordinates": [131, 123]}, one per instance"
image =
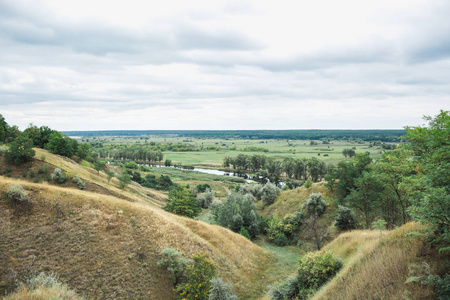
{"type": "Point", "coordinates": [300, 169]}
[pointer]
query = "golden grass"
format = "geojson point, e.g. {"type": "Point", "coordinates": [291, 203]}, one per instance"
{"type": "Point", "coordinates": [45, 293]}
{"type": "Point", "coordinates": [376, 265]}
{"type": "Point", "coordinates": [105, 247]}
{"type": "Point", "coordinates": [293, 200]}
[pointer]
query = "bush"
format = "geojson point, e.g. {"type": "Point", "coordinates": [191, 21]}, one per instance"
{"type": "Point", "coordinates": [269, 193]}
{"type": "Point", "coordinates": [59, 176]}
{"type": "Point", "coordinates": [345, 219]}
{"type": "Point", "coordinates": [79, 182]}
{"type": "Point", "coordinates": [198, 274]}
{"type": "Point", "coordinates": [201, 188]}
{"type": "Point", "coordinates": [43, 169]}
{"type": "Point", "coordinates": [220, 290]}
{"type": "Point", "coordinates": [288, 289]}
{"type": "Point", "coordinates": [283, 231]}
{"type": "Point", "coordinates": [18, 194]}
{"type": "Point", "coordinates": [316, 268]}
{"type": "Point", "coordinates": [315, 205]}
{"type": "Point", "coordinates": [205, 200]}
{"type": "Point", "coordinates": [280, 239]}
{"type": "Point", "coordinates": [31, 174]}
{"type": "Point", "coordinates": [244, 232]}
{"type": "Point", "coordinates": [174, 263]}
{"type": "Point", "coordinates": [307, 184]}
{"type": "Point", "coordinates": [20, 150]}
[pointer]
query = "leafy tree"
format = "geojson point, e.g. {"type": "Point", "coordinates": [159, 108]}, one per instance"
{"type": "Point", "coordinates": [20, 150]}
{"type": "Point", "coordinates": [315, 205]}
{"type": "Point", "coordinates": [61, 144]}
{"type": "Point", "coordinates": [84, 150]}
{"type": "Point", "coordinates": [430, 189]}
{"type": "Point", "coordinates": [124, 180]}
{"type": "Point", "coordinates": [345, 220]}
{"type": "Point", "coordinates": [110, 174]}
{"type": "Point", "coordinates": [237, 211]}
{"type": "Point", "coordinates": [366, 197]}
{"type": "Point", "coordinates": [3, 129]}
{"type": "Point", "coordinates": [99, 166]}
{"type": "Point", "coordinates": [182, 202]}
{"type": "Point", "coordinates": [199, 274]}
{"type": "Point", "coordinates": [206, 200]}
{"type": "Point", "coordinates": [269, 193]}
{"type": "Point", "coordinates": [349, 152]}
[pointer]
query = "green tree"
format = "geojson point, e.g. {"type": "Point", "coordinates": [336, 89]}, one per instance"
{"type": "Point", "coordinates": [3, 129]}
{"type": "Point", "coordinates": [20, 150]}
{"type": "Point", "coordinates": [124, 180]}
{"type": "Point", "coordinates": [110, 174]}
{"type": "Point", "coordinates": [430, 188]}
{"type": "Point", "coordinates": [61, 144]}
{"type": "Point", "coordinates": [182, 202]}
{"type": "Point", "coordinates": [84, 150]}
{"type": "Point", "coordinates": [99, 166]}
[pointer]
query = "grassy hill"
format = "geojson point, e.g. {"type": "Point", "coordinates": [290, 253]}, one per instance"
{"type": "Point", "coordinates": [104, 242]}
{"type": "Point", "coordinates": [377, 263]}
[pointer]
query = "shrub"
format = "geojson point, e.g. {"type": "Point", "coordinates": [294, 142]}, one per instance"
{"type": "Point", "coordinates": [174, 263]}
{"type": "Point", "coordinates": [307, 184]}
{"type": "Point", "coordinates": [316, 268]}
{"type": "Point", "coordinates": [201, 188]}
{"type": "Point", "coordinates": [244, 232]}
{"type": "Point", "coordinates": [58, 176]}
{"type": "Point", "coordinates": [131, 165]}
{"type": "Point", "coordinates": [18, 194]}
{"type": "Point", "coordinates": [269, 193]}
{"type": "Point", "coordinates": [43, 287]}
{"type": "Point", "coordinates": [79, 182]}
{"type": "Point", "coordinates": [379, 225]}
{"type": "Point", "coordinates": [124, 180]}
{"type": "Point", "coordinates": [288, 289]}
{"type": "Point", "coordinates": [283, 231]}
{"type": "Point", "coordinates": [43, 169]}
{"type": "Point", "coordinates": [280, 239]}
{"type": "Point", "coordinates": [20, 150]}
{"type": "Point", "coordinates": [220, 290]}
{"type": "Point", "coordinates": [205, 200]}
{"type": "Point", "coordinates": [315, 205]}
{"type": "Point", "coordinates": [31, 174]}
{"type": "Point", "coordinates": [198, 274]}
{"type": "Point", "coordinates": [345, 220]}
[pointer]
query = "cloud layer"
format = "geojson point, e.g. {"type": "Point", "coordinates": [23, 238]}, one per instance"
{"type": "Point", "coordinates": [223, 65]}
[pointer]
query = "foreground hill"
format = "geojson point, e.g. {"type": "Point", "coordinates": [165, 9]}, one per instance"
{"type": "Point", "coordinates": [377, 265]}
{"type": "Point", "coordinates": [104, 242]}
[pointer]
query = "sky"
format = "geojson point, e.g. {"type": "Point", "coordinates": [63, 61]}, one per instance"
{"type": "Point", "coordinates": [173, 65]}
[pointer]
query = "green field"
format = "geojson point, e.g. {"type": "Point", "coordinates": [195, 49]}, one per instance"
{"type": "Point", "coordinates": [213, 157]}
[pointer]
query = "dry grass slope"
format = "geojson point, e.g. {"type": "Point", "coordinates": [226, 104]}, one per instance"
{"type": "Point", "coordinates": [107, 247]}
{"type": "Point", "coordinates": [376, 265]}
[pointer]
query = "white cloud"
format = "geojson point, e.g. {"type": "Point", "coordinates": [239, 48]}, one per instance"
{"type": "Point", "coordinates": [223, 65]}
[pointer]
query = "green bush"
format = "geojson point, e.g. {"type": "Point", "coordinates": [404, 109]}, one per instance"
{"type": "Point", "coordinates": [31, 174]}
{"type": "Point", "coordinates": [206, 200]}
{"type": "Point", "coordinates": [220, 290]}
{"type": "Point", "coordinates": [198, 274]}
{"type": "Point", "coordinates": [174, 263]}
{"type": "Point", "coordinates": [244, 232]}
{"type": "Point", "coordinates": [43, 169]}
{"type": "Point", "coordinates": [288, 289]}
{"type": "Point", "coordinates": [307, 184]}
{"type": "Point", "coordinates": [79, 182]}
{"type": "Point", "coordinates": [316, 268]}
{"type": "Point", "coordinates": [18, 194]}
{"type": "Point", "coordinates": [280, 239]}
{"type": "Point", "coordinates": [269, 193]}
{"type": "Point", "coordinates": [315, 205]}
{"type": "Point", "coordinates": [201, 188]}
{"type": "Point", "coordinates": [345, 220]}
{"type": "Point", "coordinates": [59, 176]}
{"type": "Point", "coordinates": [284, 231]}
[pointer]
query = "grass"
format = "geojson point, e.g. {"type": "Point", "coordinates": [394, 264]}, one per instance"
{"type": "Point", "coordinates": [106, 245]}
{"type": "Point", "coordinates": [376, 265]}
{"type": "Point", "coordinates": [277, 148]}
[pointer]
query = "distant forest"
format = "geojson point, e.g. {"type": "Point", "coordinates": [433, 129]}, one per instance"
{"type": "Point", "coordinates": [389, 135]}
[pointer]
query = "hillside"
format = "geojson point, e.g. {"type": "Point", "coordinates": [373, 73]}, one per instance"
{"type": "Point", "coordinates": [376, 265]}
{"type": "Point", "coordinates": [104, 242]}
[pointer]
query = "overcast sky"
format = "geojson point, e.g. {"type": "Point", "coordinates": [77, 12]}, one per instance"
{"type": "Point", "coordinates": [300, 64]}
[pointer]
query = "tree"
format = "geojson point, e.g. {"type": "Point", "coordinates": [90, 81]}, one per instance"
{"type": "Point", "coordinates": [99, 166]}
{"type": "Point", "coordinates": [182, 202]}
{"type": "Point", "coordinates": [61, 144]}
{"type": "Point", "coordinates": [174, 263]}
{"type": "Point", "coordinates": [3, 129]}
{"type": "Point", "coordinates": [20, 150]}
{"type": "Point", "coordinates": [269, 193]}
{"type": "Point", "coordinates": [367, 195]}
{"type": "Point", "coordinates": [349, 152]}
{"type": "Point", "coordinates": [110, 174]}
{"type": "Point", "coordinates": [345, 220]}
{"type": "Point", "coordinates": [430, 189]}
{"type": "Point", "coordinates": [315, 205]}
{"type": "Point", "coordinates": [124, 180]}
{"type": "Point", "coordinates": [84, 150]}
